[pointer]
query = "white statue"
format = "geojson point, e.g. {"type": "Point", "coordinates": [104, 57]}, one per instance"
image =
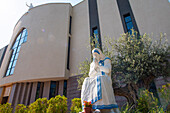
{"type": "Point", "coordinates": [97, 88]}
{"type": "Point", "coordinates": [30, 6]}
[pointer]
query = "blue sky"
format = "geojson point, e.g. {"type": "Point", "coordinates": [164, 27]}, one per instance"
{"type": "Point", "coordinates": [12, 10]}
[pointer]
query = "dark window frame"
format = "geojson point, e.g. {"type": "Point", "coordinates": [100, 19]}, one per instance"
{"type": "Point", "coordinates": [68, 53]}
{"type": "Point", "coordinates": [65, 88]}
{"type": "Point", "coordinates": [56, 83]}
{"type": "Point", "coordinates": [70, 24]}
{"type": "Point", "coordinates": [39, 90]}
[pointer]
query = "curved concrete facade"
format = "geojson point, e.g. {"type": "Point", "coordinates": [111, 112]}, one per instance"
{"type": "Point", "coordinates": [44, 55]}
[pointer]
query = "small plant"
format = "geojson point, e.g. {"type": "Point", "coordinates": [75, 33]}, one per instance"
{"type": "Point", "coordinates": [165, 93]}
{"type": "Point", "coordinates": [87, 104]}
{"type": "Point", "coordinates": [76, 106]}
{"type": "Point", "coordinates": [127, 109]}
{"type": "Point", "coordinates": [147, 102]}
{"type": "Point", "coordinates": [39, 106]}
{"type": "Point", "coordinates": [57, 104]}
{"type": "Point", "coordinates": [6, 108]}
{"type": "Point", "coordinates": [21, 108]}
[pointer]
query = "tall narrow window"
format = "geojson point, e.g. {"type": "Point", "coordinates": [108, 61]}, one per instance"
{"type": "Point", "coordinates": [53, 89]}
{"type": "Point", "coordinates": [128, 22]}
{"type": "Point", "coordinates": [65, 88]}
{"type": "Point", "coordinates": [39, 91]}
{"type": "Point", "coordinates": [70, 25]}
{"type": "Point", "coordinates": [68, 57]}
{"type": "Point", "coordinates": [21, 38]}
{"type": "Point", "coordinates": [96, 40]}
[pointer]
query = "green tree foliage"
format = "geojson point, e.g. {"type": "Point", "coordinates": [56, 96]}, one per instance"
{"type": "Point", "coordinates": [39, 106]}
{"type": "Point", "coordinates": [84, 68]}
{"type": "Point", "coordinates": [76, 106]}
{"type": "Point", "coordinates": [21, 108]}
{"type": "Point", "coordinates": [57, 104]}
{"type": "Point", "coordinates": [6, 108]}
{"type": "Point", "coordinates": [138, 57]}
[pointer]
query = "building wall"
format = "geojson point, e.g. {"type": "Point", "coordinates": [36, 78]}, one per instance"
{"type": "Point", "coordinates": [2, 54]}
{"type": "Point", "coordinates": [80, 41]}
{"type": "Point", "coordinates": [1, 51]}
{"type": "Point", "coordinates": [152, 16]}
{"type": "Point", "coordinates": [44, 55]}
{"type": "Point", "coordinates": [109, 18]}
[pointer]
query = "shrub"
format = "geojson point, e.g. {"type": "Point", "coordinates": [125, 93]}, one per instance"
{"type": "Point", "coordinates": [6, 108]}
{"type": "Point", "coordinates": [76, 106]}
{"type": "Point", "coordinates": [165, 93]}
{"type": "Point", "coordinates": [57, 104]}
{"type": "Point", "coordinates": [39, 106]}
{"type": "Point", "coordinates": [21, 108]}
{"type": "Point", "coordinates": [147, 102]}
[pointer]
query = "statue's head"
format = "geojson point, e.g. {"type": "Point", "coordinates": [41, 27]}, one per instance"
{"type": "Point", "coordinates": [97, 53]}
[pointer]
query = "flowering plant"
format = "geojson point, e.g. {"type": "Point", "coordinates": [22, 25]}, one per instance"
{"type": "Point", "coordinates": [87, 104]}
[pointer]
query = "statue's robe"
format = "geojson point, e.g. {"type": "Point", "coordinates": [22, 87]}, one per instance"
{"type": "Point", "coordinates": [97, 88]}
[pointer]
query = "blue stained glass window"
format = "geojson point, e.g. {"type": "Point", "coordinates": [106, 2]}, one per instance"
{"type": "Point", "coordinates": [16, 57]}
{"type": "Point", "coordinates": [128, 22]}
{"type": "Point", "coordinates": [12, 58]}
{"type": "Point", "coordinates": [95, 35]}
{"type": "Point", "coordinates": [12, 71]}
{"type": "Point", "coordinates": [128, 19]}
{"type": "Point", "coordinates": [18, 48]}
{"type": "Point", "coordinates": [10, 65]}
{"type": "Point", "coordinates": [21, 38]}
{"type": "Point", "coordinates": [18, 38]}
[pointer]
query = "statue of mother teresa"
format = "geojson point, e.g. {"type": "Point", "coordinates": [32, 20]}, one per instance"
{"type": "Point", "coordinates": [97, 88]}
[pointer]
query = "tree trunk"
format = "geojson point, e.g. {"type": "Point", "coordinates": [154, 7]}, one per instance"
{"type": "Point", "coordinates": [123, 91]}
{"type": "Point", "coordinates": [130, 91]}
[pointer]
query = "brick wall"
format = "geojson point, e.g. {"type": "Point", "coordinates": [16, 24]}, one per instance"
{"type": "Point", "coordinates": [72, 91]}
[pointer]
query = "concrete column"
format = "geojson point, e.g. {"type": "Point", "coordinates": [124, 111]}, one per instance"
{"type": "Point", "coordinates": [13, 94]}
{"type": "Point", "coordinates": [46, 89]}
{"type": "Point", "coordinates": [23, 93]}
{"type": "Point", "coordinates": [28, 94]}
{"type": "Point", "coordinates": [61, 86]}
{"type": "Point", "coordinates": [33, 92]}
{"type": "Point", "coordinates": [1, 91]}
{"type": "Point", "coordinates": [17, 96]}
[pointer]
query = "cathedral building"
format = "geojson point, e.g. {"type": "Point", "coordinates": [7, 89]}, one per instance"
{"type": "Point", "coordinates": [49, 42]}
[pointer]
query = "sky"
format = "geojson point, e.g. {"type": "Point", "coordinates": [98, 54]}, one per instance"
{"type": "Point", "coordinates": [12, 10]}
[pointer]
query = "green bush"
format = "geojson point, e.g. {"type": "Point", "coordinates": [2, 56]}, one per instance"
{"type": "Point", "coordinates": [6, 108]}
{"type": "Point", "coordinates": [21, 108]}
{"type": "Point", "coordinates": [57, 104]}
{"type": "Point", "coordinates": [165, 93]}
{"type": "Point", "coordinates": [39, 106]}
{"type": "Point", "coordinates": [147, 103]}
{"type": "Point", "coordinates": [76, 106]}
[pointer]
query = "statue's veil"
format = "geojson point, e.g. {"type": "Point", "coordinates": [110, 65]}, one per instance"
{"type": "Point", "coordinates": [102, 56]}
